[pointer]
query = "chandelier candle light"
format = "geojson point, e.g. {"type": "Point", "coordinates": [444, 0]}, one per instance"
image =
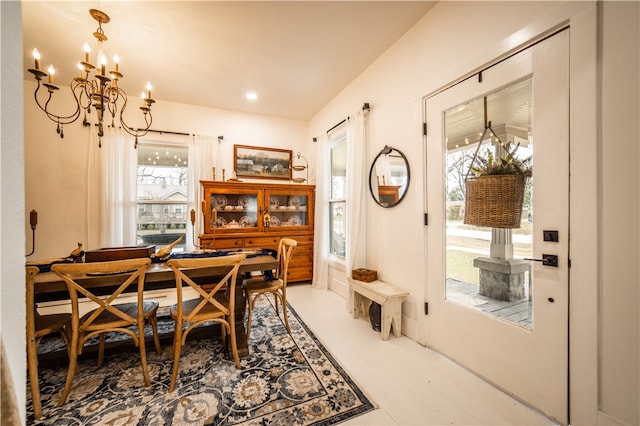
{"type": "Point", "coordinates": [100, 93]}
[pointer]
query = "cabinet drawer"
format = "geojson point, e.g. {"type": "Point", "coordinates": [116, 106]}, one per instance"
{"type": "Point", "coordinates": [299, 274]}
{"type": "Point", "coordinates": [206, 244]}
{"type": "Point", "coordinates": [303, 249]}
{"type": "Point", "coordinates": [300, 260]}
{"type": "Point", "coordinates": [302, 239]}
{"type": "Point", "coordinates": [227, 243]}
{"type": "Point", "coordinates": [267, 242]}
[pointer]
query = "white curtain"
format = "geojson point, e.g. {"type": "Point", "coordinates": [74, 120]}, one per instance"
{"type": "Point", "coordinates": [111, 186]}
{"type": "Point", "coordinates": [356, 192]}
{"type": "Point", "coordinates": [321, 219]}
{"type": "Point", "coordinates": [203, 152]}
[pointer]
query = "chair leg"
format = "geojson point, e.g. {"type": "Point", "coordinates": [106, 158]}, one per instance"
{"type": "Point", "coordinates": [284, 311]}
{"type": "Point", "coordinates": [250, 305]}
{"type": "Point", "coordinates": [232, 336]}
{"type": "Point", "coordinates": [101, 350]}
{"type": "Point", "coordinates": [153, 320]}
{"type": "Point", "coordinates": [73, 367]}
{"type": "Point", "coordinates": [66, 337]}
{"type": "Point", "coordinates": [177, 346]}
{"type": "Point", "coordinates": [223, 333]}
{"type": "Point", "coordinates": [143, 354]}
{"type": "Point", "coordinates": [32, 365]}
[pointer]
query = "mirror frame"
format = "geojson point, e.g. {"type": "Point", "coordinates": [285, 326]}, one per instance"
{"type": "Point", "coordinates": [385, 151]}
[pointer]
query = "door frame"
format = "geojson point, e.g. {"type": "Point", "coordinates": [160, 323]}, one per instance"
{"type": "Point", "coordinates": [582, 20]}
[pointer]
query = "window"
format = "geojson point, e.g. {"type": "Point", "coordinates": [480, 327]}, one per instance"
{"type": "Point", "coordinates": [337, 201]}
{"type": "Point", "coordinates": [162, 194]}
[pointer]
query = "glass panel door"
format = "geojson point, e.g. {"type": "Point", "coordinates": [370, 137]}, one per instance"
{"type": "Point", "coordinates": [525, 351]}
{"type": "Point", "coordinates": [288, 209]}
{"type": "Point", "coordinates": [231, 211]}
{"type": "Point", "coordinates": [485, 269]}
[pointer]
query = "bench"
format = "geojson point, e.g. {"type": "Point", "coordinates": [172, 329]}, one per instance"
{"type": "Point", "coordinates": [390, 298]}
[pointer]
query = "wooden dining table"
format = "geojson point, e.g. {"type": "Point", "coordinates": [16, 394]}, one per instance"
{"type": "Point", "coordinates": [49, 286]}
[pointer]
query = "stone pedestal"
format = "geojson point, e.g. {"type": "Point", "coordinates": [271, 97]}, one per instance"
{"type": "Point", "coordinates": [502, 279]}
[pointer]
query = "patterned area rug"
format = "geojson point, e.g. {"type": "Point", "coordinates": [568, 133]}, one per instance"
{"type": "Point", "coordinates": [286, 380]}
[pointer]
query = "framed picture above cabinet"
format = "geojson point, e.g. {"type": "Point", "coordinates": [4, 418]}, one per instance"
{"type": "Point", "coordinates": [262, 163]}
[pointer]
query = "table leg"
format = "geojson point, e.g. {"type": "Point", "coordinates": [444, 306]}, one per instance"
{"type": "Point", "coordinates": [240, 310]}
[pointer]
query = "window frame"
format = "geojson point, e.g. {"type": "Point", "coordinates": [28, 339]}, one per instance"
{"type": "Point", "coordinates": [338, 138]}
{"type": "Point", "coordinates": [184, 220]}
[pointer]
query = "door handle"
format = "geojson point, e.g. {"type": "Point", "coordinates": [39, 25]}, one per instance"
{"type": "Point", "coordinates": [547, 260]}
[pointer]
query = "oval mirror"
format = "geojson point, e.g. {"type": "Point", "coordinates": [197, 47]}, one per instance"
{"type": "Point", "coordinates": [389, 177]}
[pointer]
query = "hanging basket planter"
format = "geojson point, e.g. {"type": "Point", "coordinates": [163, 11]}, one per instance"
{"type": "Point", "coordinates": [494, 200]}
{"type": "Point", "coordinates": [495, 192]}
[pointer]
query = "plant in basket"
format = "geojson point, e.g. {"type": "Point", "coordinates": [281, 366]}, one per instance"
{"type": "Point", "coordinates": [495, 192]}
{"type": "Point", "coordinates": [506, 165]}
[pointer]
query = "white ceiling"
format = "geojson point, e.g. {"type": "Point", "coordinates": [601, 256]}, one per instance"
{"type": "Point", "coordinates": [296, 55]}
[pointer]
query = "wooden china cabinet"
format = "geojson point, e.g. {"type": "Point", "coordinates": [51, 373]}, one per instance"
{"type": "Point", "coordinates": [257, 215]}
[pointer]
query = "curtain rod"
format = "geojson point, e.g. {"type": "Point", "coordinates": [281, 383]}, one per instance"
{"type": "Point", "coordinates": [365, 107]}
{"type": "Point", "coordinates": [169, 132]}
{"type": "Point", "coordinates": [342, 122]}
{"type": "Point", "coordinates": [150, 130]}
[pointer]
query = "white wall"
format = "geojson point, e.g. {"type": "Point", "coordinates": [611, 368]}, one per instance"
{"type": "Point", "coordinates": [454, 39]}
{"type": "Point", "coordinates": [56, 168]}
{"type": "Point", "coordinates": [12, 308]}
{"type": "Point", "coordinates": [619, 314]}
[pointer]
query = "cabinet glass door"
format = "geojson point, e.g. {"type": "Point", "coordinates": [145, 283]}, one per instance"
{"type": "Point", "coordinates": [232, 211]}
{"type": "Point", "coordinates": [290, 209]}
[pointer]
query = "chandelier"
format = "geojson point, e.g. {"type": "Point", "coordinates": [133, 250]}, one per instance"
{"type": "Point", "coordinates": [100, 92]}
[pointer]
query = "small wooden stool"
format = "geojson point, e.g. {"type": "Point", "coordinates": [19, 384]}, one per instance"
{"type": "Point", "coordinates": [387, 296]}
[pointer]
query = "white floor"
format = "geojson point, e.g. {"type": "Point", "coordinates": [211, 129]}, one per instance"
{"type": "Point", "coordinates": [411, 385]}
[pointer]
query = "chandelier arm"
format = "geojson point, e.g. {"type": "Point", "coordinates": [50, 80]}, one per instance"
{"type": "Point", "coordinates": [138, 133]}
{"type": "Point", "coordinates": [60, 119]}
{"type": "Point", "coordinates": [79, 88]}
{"type": "Point", "coordinates": [148, 118]}
{"type": "Point", "coordinates": [88, 90]}
{"type": "Point", "coordinates": [112, 102]}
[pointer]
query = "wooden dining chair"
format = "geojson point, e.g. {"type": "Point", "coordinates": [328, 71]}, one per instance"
{"type": "Point", "coordinates": [215, 302]}
{"type": "Point", "coordinates": [39, 326]}
{"type": "Point", "coordinates": [257, 286]}
{"type": "Point", "coordinates": [109, 316]}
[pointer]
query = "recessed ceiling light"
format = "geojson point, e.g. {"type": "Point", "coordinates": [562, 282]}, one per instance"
{"type": "Point", "coordinates": [252, 96]}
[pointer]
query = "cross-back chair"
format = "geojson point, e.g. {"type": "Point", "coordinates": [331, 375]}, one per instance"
{"type": "Point", "coordinates": [259, 286]}
{"type": "Point", "coordinates": [109, 316]}
{"type": "Point", "coordinates": [39, 326]}
{"type": "Point", "coordinates": [215, 302]}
